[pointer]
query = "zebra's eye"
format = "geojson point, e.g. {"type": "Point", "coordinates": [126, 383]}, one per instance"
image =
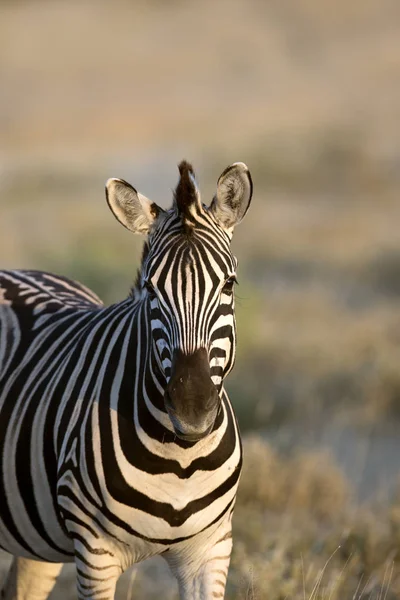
{"type": "Point", "coordinates": [228, 285]}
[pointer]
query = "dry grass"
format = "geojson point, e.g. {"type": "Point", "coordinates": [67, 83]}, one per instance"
{"type": "Point", "coordinates": [299, 533]}
{"type": "Point", "coordinates": [308, 481]}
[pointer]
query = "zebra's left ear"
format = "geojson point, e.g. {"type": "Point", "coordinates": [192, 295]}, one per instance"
{"type": "Point", "coordinates": [233, 197]}
{"type": "Point", "coordinates": [136, 212]}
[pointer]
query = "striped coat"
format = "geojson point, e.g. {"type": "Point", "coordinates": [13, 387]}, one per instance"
{"type": "Point", "coordinates": [117, 439]}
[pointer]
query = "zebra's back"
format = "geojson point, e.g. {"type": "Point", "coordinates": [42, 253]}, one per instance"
{"type": "Point", "coordinates": [50, 292]}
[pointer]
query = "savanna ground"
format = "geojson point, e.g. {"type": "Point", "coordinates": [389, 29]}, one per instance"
{"type": "Point", "coordinates": [307, 93]}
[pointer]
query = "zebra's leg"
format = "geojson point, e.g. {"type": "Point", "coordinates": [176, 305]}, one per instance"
{"type": "Point", "coordinates": [97, 573]}
{"type": "Point", "coordinates": [202, 570]}
{"type": "Point", "coordinates": [30, 579]}
{"type": "Point", "coordinates": [96, 583]}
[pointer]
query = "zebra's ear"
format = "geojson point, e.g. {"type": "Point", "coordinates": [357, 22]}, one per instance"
{"type": "Point", "coordinates": [136, 212]}
{"type": "Point", "coordinates": [233, 197]}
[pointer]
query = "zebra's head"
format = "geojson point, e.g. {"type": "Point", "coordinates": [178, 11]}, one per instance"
{"type": "Point", "coordinates": [186, 281]}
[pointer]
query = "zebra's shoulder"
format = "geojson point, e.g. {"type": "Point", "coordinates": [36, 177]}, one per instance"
{"type": "Point", "coordinates": [21, 287]}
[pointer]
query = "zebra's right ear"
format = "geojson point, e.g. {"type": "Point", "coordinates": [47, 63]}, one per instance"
{"type": "Point", "coordinates": [136, 212]}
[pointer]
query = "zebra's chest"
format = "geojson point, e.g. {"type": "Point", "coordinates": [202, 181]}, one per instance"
{"type": "Point", "coordinates": [146, 503]}
{"type": "Point", "coordinates": [150, 516]}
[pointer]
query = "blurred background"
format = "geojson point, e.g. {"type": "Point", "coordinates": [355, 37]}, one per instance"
{"type": "Point", "coordinates": [307, 93]}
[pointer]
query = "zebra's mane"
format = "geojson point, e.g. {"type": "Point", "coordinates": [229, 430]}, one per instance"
{"type": "Point", "coordinates": [186, 195]}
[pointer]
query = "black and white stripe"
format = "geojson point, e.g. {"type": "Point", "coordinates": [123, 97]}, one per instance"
{"type": "Point", "coordinates": [117, 439]}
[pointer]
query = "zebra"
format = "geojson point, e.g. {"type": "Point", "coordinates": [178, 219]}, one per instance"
{"type": "Point", "coordinates": [117, 439]}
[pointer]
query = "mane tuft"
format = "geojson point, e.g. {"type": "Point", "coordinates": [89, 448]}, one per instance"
{"type": "Point", "coordinates": [186, 193]}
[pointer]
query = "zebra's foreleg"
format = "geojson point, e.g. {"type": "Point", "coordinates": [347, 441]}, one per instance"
{"type": "Point", "coordinates": [202, 572]}
{"type": "Point", "coordinates": [30, 579]}
{"type": "Point", "coordinates": [97, 575]}
{"type": "Point", "coordinates": [96, 583]}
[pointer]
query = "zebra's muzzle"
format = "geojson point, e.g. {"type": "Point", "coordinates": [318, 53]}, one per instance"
{"type": "Point", "coordinates": [191, 398]}
{"type": "Point", "coordinates": [192, 437]}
